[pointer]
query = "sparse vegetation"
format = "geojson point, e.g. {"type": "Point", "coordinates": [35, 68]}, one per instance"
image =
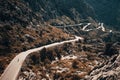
{"type": "Point", "coordinates": [28, 24]}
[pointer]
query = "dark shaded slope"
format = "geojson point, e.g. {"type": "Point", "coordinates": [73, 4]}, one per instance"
{"type": "Point", "coordinates": [107, 11]}
{"type": "Point", "coordinates": [54, 8]}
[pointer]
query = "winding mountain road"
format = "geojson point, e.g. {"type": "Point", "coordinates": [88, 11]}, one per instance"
{"type": "Point", "coordinates": [86, 26]}
{"type": "Point", "coordinates": [70, 25]}
{"type": "Point", "coordinates": [12, 71]}
{"type": "Point", "coordinates": [100, 26]}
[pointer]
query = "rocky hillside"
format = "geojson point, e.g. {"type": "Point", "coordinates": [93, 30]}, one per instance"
{"type": "Point", "coordinates": [91, 59]}
{"type": "Point", "coordinates": [18, 19]}
{"type": "Point", "coordinates": [26, 24]}
{"type": "Point", "coordinates": [57, 8]}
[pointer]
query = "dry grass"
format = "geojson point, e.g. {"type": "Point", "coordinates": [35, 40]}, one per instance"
{"type": "Point", "coordinates": [18, 41]}
{"type": "Point", "coordinates": [75, 69]}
